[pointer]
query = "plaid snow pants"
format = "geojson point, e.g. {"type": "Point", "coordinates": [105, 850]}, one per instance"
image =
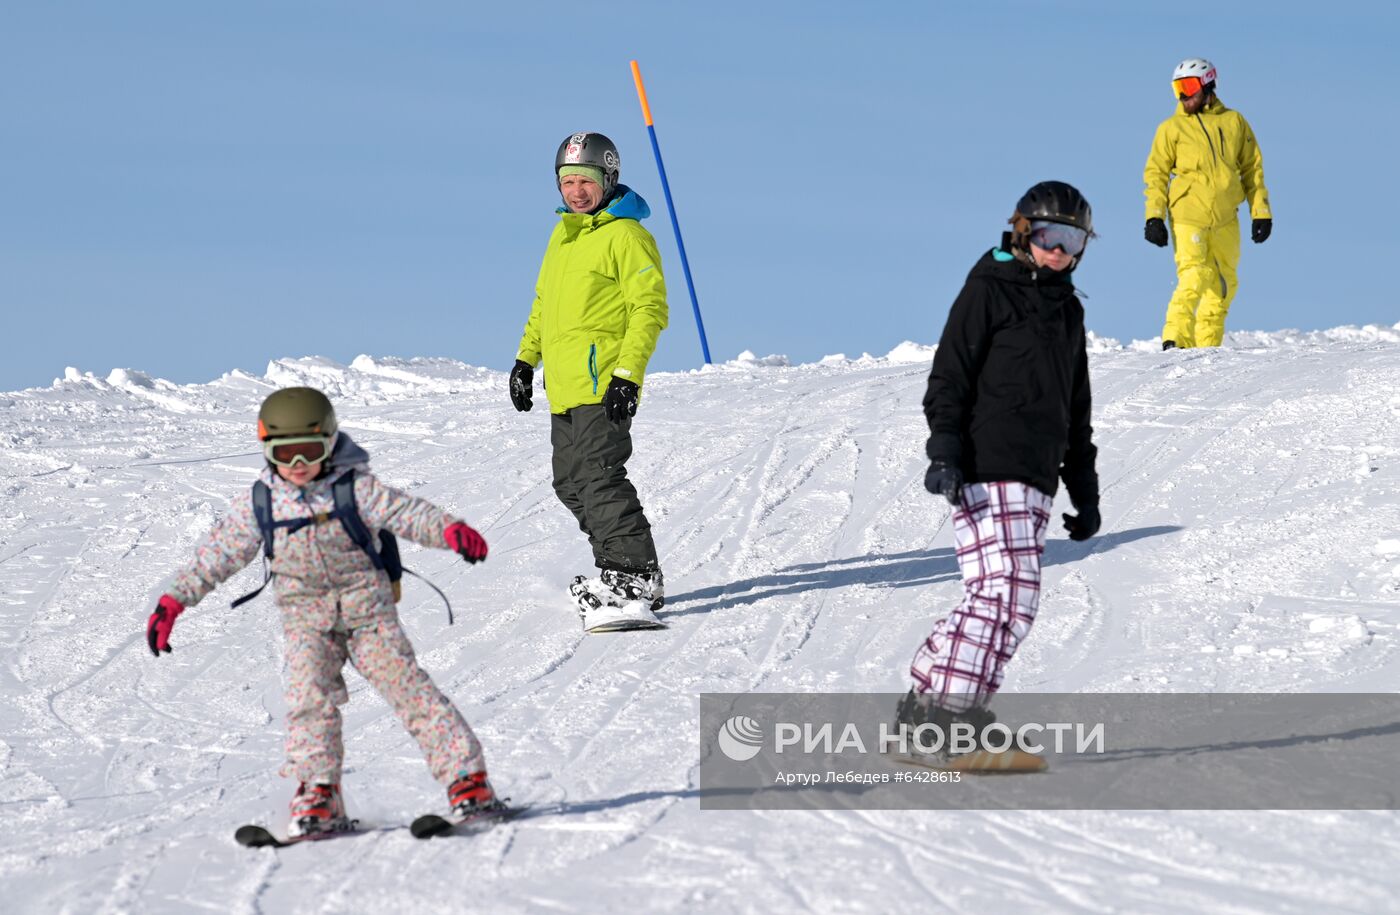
{"type": "Point", "coordinates": [381, 652]}
{"type": "Point", "coordinates": [999, 531]}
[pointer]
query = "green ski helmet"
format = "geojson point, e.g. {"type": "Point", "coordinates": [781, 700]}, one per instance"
{"type": "Point", "coordinates": [293, 412]}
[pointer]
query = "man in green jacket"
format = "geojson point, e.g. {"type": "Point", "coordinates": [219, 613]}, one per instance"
{"type": "Point", "coordinates": [600, 304]}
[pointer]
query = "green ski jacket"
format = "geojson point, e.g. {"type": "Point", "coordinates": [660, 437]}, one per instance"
{"type": "Point", "coordinates": [600, 303]}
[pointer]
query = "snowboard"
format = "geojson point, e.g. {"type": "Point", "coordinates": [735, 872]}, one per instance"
{"type": "Point", "coordinates": [978, 762]}
{"type": "Point", "coordinates": [596, 622]}
{"type": "Point", "coordinates": [431, 824]}
{"type": "Point", "coordinates": [252, 836]}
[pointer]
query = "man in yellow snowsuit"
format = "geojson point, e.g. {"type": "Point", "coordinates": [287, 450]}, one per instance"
{"type": "Point", "coordinates": [1204, 163]}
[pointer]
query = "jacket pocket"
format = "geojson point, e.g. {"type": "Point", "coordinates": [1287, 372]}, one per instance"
{"type": "Point", "coordinates": [603, 352]}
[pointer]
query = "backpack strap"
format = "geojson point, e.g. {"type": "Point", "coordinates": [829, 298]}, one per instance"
{"type": "Point", "coordinates": [386, 557]}
{"type": "Point", "coordinates": [268, 526]}
{"type": "Point", "coordinates": [262, 513]}
{"type": "Point", "coordinates": [343, 491]}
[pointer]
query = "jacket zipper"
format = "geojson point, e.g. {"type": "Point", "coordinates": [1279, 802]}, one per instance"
{"type": "Point", "coordinates": [1060, 383]}
{"type": "Point", "coordinates": [593, 365]}
{"type": "Point", "coordinates": [1209, 142]}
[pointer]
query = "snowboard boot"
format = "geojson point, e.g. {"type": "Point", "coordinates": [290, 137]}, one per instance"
{"type": "Point", "coordinates": [317, 808]}
{"type": "Point", "coordinates": [605, 607]}
{"type": "Point", "coordinates": [472, 793]}
{"type": "Point", "coordinates": [630, 586]}
{"type": "Point", "coordinates": [917, 709]}
{"type": "Point", "coordinates": [1168, 344]}
{"type": "Point", "coordinates": [614, 588]}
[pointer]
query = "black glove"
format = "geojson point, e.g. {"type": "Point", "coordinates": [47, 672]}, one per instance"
{"type": "Point", "coordinates": [944, 480]}
{"type": "Point", "coordinates": [522, 386]}
{"type": "Point", "coordinates": [620, 401]}
{"type": "Point", "coordinates": [1259, 230]}
{"type": "Point", "coordinates": [1156, 232]}
{"type": "Point", "coordinates": [1085, 524]}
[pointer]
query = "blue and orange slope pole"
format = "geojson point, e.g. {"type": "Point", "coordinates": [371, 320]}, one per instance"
{"type": "Point", "coordinates": [671, 206]}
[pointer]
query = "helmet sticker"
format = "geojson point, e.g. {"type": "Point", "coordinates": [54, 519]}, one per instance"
{"type": "Point", "coordinates": [573, 153]}
{"type": "Point", "coordinates": [611, 161]}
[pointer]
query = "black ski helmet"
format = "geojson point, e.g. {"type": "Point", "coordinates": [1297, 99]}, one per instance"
{"type": "Point", "coordinates": [590, 149]}
{"type": "Point", "coordinates": [1056, 201]}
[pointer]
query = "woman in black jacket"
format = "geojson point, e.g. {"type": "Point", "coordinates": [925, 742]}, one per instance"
{"type": "Point", "coordinates": [1008, 412]}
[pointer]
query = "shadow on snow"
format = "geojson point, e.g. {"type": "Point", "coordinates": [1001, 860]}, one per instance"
{"type": "Point", "coordinates": [911, 569]}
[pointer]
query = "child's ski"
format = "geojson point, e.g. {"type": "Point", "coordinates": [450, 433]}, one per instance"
{"type": "Point", "coordinates": [260, 837]}
{"type": "Point", "coordinates": [430, 824]}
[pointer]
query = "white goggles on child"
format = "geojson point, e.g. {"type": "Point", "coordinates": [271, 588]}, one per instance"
{"type": "Point", "coordinates": [306, 449]}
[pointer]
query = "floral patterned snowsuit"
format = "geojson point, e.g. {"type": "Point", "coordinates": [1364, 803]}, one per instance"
{"type": "Point", "coordinates": [336, 606]}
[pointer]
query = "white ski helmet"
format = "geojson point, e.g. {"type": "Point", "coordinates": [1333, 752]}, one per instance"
{"type": "Point", "coordinates": [1198, 67]}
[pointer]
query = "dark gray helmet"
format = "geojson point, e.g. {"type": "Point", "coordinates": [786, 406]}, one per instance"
{"type": "Point", "coordinates": [1055, 201]}
{"type": "Point", "coordinates": [590, 149]}
{"type": "Point", "coordinates": [293, 412]}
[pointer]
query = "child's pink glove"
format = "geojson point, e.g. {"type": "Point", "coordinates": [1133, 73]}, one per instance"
{"type": "Point", "coordinates": [161, 622]}
{"type": "Point", "coordinates": [465, 541]}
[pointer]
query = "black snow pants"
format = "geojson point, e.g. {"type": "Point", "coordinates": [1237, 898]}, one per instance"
{"type": "Point", "coordinates": [590, 478]}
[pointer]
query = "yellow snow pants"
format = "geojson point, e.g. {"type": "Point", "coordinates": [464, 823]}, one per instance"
{"type": "Point", "coordinates": [1206, 260]}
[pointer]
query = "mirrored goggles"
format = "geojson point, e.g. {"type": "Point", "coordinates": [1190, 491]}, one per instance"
{"type": "Point", "coordinates": [288, 452]}
{"type": "Point", "coordinates": [1187, 86]}
{"type": "Point", "coordinates": [1052, 235]}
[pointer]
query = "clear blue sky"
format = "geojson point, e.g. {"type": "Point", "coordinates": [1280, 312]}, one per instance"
{"type": "Point", "coordinates": [186, 188]}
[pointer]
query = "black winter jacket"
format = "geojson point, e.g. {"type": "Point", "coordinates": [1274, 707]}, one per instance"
{"type": "Point", "coordinates": [1008, 397]}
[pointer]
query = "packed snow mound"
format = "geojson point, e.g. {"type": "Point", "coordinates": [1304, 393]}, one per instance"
{"type": "Point", "coordinates": [748, 360]}
{"type": "Point", "coordinates": [910, 352]}
{"type": "Point", "coordinates": [1370, 333]}
{"type": "Point", "coordinates": [1250, 542]}
{"type": "Point", "coordinates": [1093, 343]}
{"type": "Point", "coordinates": [371, 379]}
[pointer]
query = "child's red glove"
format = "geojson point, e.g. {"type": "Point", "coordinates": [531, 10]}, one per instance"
{"type": "Point", "coordinates": [465, 541]}
{"type": "Point", "coordinates": [161, 622]}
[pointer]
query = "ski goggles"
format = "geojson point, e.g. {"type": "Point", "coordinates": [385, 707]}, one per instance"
{"type": "Point", "coordinates": [288, 452]}
{"type": "Point", "coordinates": [1052, 235]}
{"type": "Point", "coordinates": [1187, 86]}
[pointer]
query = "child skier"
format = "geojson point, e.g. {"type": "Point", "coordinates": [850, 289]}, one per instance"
{"type": "Point", "coordinates": [1008, 411]}
{"type": "Point", "coordinates": [336, 601]}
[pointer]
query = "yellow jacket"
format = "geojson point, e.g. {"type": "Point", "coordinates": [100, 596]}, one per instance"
{"type": "Point", "coordinates": [1203, 166]}
{"type": "Point", "coordinates": [600, 303]}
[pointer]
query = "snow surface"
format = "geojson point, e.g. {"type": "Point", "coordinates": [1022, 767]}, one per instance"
{"type": "Point", "coordinates": [1251, 542]}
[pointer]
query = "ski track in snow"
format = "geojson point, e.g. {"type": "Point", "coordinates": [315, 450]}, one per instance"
{"type": "Point", "coordinates": [1251, 542]}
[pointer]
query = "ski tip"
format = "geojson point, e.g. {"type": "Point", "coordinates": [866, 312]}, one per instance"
{"type": "Point", "coordinates": [429, 825]}
{"type": "Point", "coordinates": [256, 837]}
{"type": "Point", "coordinates": [260, 837]}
